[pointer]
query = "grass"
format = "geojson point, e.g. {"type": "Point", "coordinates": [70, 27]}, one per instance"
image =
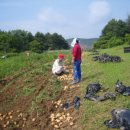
{"type": "Point", "coordinates": [12, 64]}
{"type": "Point", "coordinates": [37, 66]}
{"type": "Point", "coordinates": [107, 74]}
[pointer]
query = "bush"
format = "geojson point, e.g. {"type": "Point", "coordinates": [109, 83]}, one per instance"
{"type": "Point", "coordinates": [115, 41]}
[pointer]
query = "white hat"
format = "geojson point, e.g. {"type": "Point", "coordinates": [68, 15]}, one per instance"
{"type": "Point", "coordinates": [73, 42]}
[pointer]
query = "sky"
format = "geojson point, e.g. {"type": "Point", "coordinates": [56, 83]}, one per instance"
{"type": "Point", "coordinates": [69, 18]}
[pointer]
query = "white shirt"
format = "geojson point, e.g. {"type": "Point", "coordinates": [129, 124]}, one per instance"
{"type": "Point", "coordinates": [57, 67]}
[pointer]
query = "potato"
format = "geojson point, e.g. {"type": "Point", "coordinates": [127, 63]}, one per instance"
{"type": "Point", "coordinates": [33, 119]}
{"type": "Point", "coordinates": [11, 117]}
{"type": "Point", "coordinates": [52, 115]}
{"type": "Point", "coordinates": [68, 119]}
{"type": "Point", "coordinates": [9, 113]}
{"type": "Point", "coordinates": [58, 102]}
{"type": "Point", "coordinates": [57, 120]}
{"type": "Point", "coordinates": [52, 119]}
{"type": "Point", "coordinates": [56, 126]}
{"type": "Point", "coordinates": [68, 114]}
{"type": "Point", "coordinates": [4, 116]}
{"type": "Point", "coordinates": [71, 123]}
{"type": "Point", "coordinates": [61, 118]}
{"type": "Point", "coordinates": [20, 115]}
{"type": "Point", "coordinates": [66, 87]}
{"type": "Point", "coordinates": [4, 126]}
{"type": "Point", "coordinates": [58, 115]}
{"type": "Point", "coordinates": [7, 122]}
{"type": "Point", "coordinates": [1, 118]}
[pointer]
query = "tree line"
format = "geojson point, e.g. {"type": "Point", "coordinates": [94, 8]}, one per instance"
{"type": "Point", "coordinates": [21, 40]}
{"type": "Point", "coordinates": [116, 32]}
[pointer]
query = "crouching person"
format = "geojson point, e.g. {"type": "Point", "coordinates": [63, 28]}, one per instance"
{"type": "Point", "coordinates": [58, 65]}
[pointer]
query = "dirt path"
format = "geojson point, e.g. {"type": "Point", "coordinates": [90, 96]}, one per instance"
{"type": "Point", "coordinates": [66, 119]}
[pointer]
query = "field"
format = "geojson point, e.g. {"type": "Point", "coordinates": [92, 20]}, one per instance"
{"type": "Point", "coordinates": [95, 113]}
{"type": "Point", "coordinates": [30, 94]}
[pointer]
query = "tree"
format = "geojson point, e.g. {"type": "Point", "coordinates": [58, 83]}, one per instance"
{"type": "Point", "coordinates": [41, 39]}
{"type": "Point", "coordinates": [5, 40]}
{"type": "Point", "coordinates": [128, 24]}
{"type": "Point", "coordinates": [112, 34]}
{"type": "Point", "coordinates": [35, 46]}
{"type": "Point", "coordinates": [59, 42]}
{"type": "Point", "coordinates": [20, 40]}
{"type": "Point", "coordinates": [115, 28]}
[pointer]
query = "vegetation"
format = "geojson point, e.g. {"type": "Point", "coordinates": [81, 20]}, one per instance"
{"type": "Point", "coordinates": [19, 61]}
{"type": "Point", "coordinates": [35, 77]}
{"type": "Point", "coordinates": [20, 41]}
{"type": "Point", "coordinates": [95, 113]}
{"type": "Point", "coordinates": [34, 83]}
{"type": "Point", "coordinates": [116, 32]}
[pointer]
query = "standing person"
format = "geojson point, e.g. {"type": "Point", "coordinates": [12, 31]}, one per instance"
{"type": "Point", "coordinates": [58, 65]}
{"type": "Point", "coordinates": [76, 60]}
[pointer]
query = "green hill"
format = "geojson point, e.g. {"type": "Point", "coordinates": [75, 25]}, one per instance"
{"type": "Point", "coordinates": [95, 113]}
{"type": "Point", "coordinates": [87, 43]}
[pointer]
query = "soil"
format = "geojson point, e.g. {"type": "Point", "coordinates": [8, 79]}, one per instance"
{"type": "Point", "coordinates": [14, 108]}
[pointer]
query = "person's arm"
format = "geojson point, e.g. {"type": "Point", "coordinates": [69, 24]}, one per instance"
{"type": "Point", "coordinates": [74, 52]}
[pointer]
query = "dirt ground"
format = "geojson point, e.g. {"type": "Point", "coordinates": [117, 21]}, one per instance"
{"type": "Point", "coordinates": [14, 108]}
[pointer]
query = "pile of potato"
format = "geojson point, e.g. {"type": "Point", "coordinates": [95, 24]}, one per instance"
{"type": "Point", "coordinates": [68, 87]}
{"type": "Point", "coordinates": [65, 77]}
{"type": "Point", "coordinates": [58, 120]}
{"type": "Point", "coordinates": [14, 119]}
{"type": "Point", "coordinates": [57, 103]}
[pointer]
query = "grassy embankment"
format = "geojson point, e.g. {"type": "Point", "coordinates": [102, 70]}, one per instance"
{"type": "Point", "coordinates": [94, 114]}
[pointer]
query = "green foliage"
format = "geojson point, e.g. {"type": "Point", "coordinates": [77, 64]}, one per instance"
{"type": "Point", "coordinates": [20, 40]}
{"type": "Point", "coordinates": [114, 28]}
{"type": "Point", "coordinates": [115, 33]}
{"type": "Point", "coordinates": [127, 39]}
{"type": "Point", "coordinates": [128, 24]}
{"type": "Point", "coordinates": [115, 41]}
{"type": "Point", "coordinates": [35, 46]}
{"type": "Point", "coordinates": [102, 42]}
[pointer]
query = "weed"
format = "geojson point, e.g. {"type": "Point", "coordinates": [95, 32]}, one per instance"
{"type": "Point", "coordinates": [28, 90]}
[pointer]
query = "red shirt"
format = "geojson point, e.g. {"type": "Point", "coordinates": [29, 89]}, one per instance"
{"type": "Point", "coordinates": [76, 52]}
